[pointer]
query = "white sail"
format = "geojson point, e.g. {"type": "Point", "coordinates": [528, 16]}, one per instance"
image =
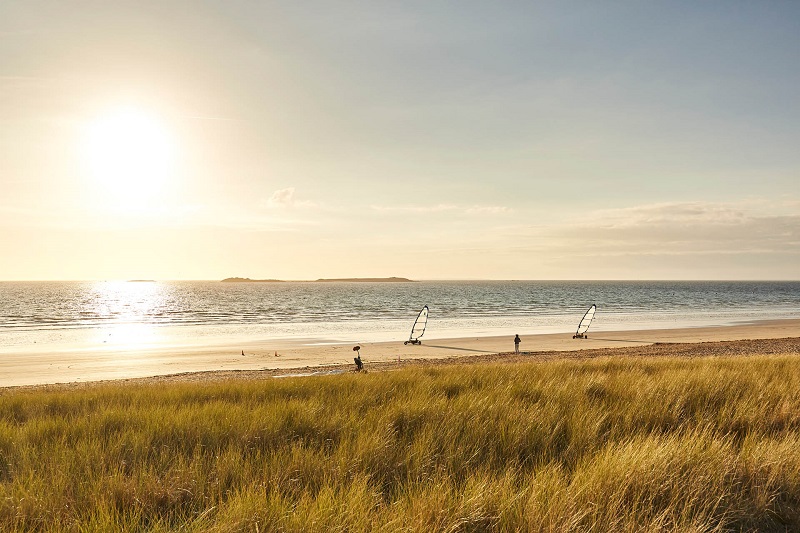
{"type": "Point", "coordinates": [418, 329]}
{"type": "Point", "coordinates": [586, 321]}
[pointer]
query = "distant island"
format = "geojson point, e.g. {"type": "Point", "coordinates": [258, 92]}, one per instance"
{"type": "Point", "coordinates": [378, 280]}
{"type": "Point", "coordinates": [248, 280]}
{"type": "Point", "coordinates": [325, 280]}
{"type": "Point", "coordinates": [141, 281]}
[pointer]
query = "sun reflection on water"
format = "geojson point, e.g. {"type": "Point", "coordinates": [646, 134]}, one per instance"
{"type": "Point", "coordinates": [128, 336]}
{"type": "Point", "coordinates": [126, 305]}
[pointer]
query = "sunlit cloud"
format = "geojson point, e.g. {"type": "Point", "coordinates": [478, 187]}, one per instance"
{"type": "Point", "coordinates": [283, 198]}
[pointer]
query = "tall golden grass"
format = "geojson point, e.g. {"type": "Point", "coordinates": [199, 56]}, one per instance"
{"type": "Point", "coordinates": [603, 445]}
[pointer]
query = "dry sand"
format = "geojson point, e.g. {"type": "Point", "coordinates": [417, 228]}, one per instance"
{"type": "Point", "coordinates": [303, 356]}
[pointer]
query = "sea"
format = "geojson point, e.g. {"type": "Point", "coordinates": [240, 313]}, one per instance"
{"type": "Point", "coordinates": [86, 316]}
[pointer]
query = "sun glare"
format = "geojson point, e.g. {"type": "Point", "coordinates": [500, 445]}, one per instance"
{"type": "Point", "coordinates": [130, 156]}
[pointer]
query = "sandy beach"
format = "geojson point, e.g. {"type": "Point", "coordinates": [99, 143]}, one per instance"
{"type": "Point", "coordinates": [307, 356]}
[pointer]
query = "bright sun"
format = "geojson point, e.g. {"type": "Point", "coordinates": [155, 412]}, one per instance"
{"type": "Point", "coordinates": [130, 155]}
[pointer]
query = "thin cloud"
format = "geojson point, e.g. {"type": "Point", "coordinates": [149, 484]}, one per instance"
{"type": "Point", "coordinates": [489, 210]}
{"type": "Point", "coordinates": [26, 82]}
{"type": "Point", "coordinates": [684, 228]}
{"type": "Point", "coordinates": [413, 208]}
{"type": "Point", "coordinates": [690, 212]}
{"type": "Point", "coordinates": [442, 208]}
{"type": "Point", "coordinates": [211, 118]}
{"type": "Point", "coordinates": [26, 78]}
{"type": "Point", "coordinates": [10, 33]}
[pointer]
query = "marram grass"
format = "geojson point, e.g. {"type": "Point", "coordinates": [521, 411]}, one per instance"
{"type": "Point", "coordinates": [604, 445]}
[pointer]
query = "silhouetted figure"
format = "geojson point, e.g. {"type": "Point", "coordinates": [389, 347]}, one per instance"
{"type": "Point", "coordinates": [517, 340]}
{"type": "Point", "coordinates": [357, 359]}
{"type": "Point", "coordinates": [242, 352]}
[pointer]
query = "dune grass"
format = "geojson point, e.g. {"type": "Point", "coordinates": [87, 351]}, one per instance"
{"type": "Point", "coordinates": [603, 445]}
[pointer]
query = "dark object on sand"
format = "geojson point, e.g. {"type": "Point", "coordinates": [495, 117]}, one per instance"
{"type": "Point", "coordinates": [357, 359]}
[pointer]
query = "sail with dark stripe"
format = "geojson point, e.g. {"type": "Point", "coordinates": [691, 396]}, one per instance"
{"type": "Point", "coordinates": [418, 329]}
{"type": "Point", "coordinates": [585, 322]}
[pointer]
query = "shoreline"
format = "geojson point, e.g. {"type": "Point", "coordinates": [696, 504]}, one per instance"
{"type": "Point", "coordinates": [302, 356]}
{"type": "Point", "coordinates": [789, 346]}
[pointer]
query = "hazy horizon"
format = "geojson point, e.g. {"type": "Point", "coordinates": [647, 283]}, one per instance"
{"type": "Point", "coordinates": [346, 278]}
{"type": "Point", "coordinates": [435, 141]}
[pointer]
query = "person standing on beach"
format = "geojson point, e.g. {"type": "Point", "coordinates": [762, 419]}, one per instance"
{"type": "Point", "coordinates": [517, 340]}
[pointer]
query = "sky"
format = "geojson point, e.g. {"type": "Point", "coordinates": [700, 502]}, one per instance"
{"type": "Point", "coordinates": [431, 140]}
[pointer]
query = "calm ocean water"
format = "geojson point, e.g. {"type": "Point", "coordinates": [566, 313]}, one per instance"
{"type": "Point", "coordinates": [100, 315]}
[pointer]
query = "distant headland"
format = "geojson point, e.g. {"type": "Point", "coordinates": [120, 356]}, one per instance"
{"type": "Point", "coordinates": [326, 280]}
{"type": "Point", "coordinates": [375, 280]}
{"type": "Point", "coordinates": [248, 280]}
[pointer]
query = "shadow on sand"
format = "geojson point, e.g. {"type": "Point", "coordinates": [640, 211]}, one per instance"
{"type": "Point", "coordinates": [460, 349]}
{"type": "Point", "coordinates": [622, 340]}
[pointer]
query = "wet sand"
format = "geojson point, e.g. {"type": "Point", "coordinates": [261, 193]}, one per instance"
{"type": "Point", "coordinates": [308, 356]}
